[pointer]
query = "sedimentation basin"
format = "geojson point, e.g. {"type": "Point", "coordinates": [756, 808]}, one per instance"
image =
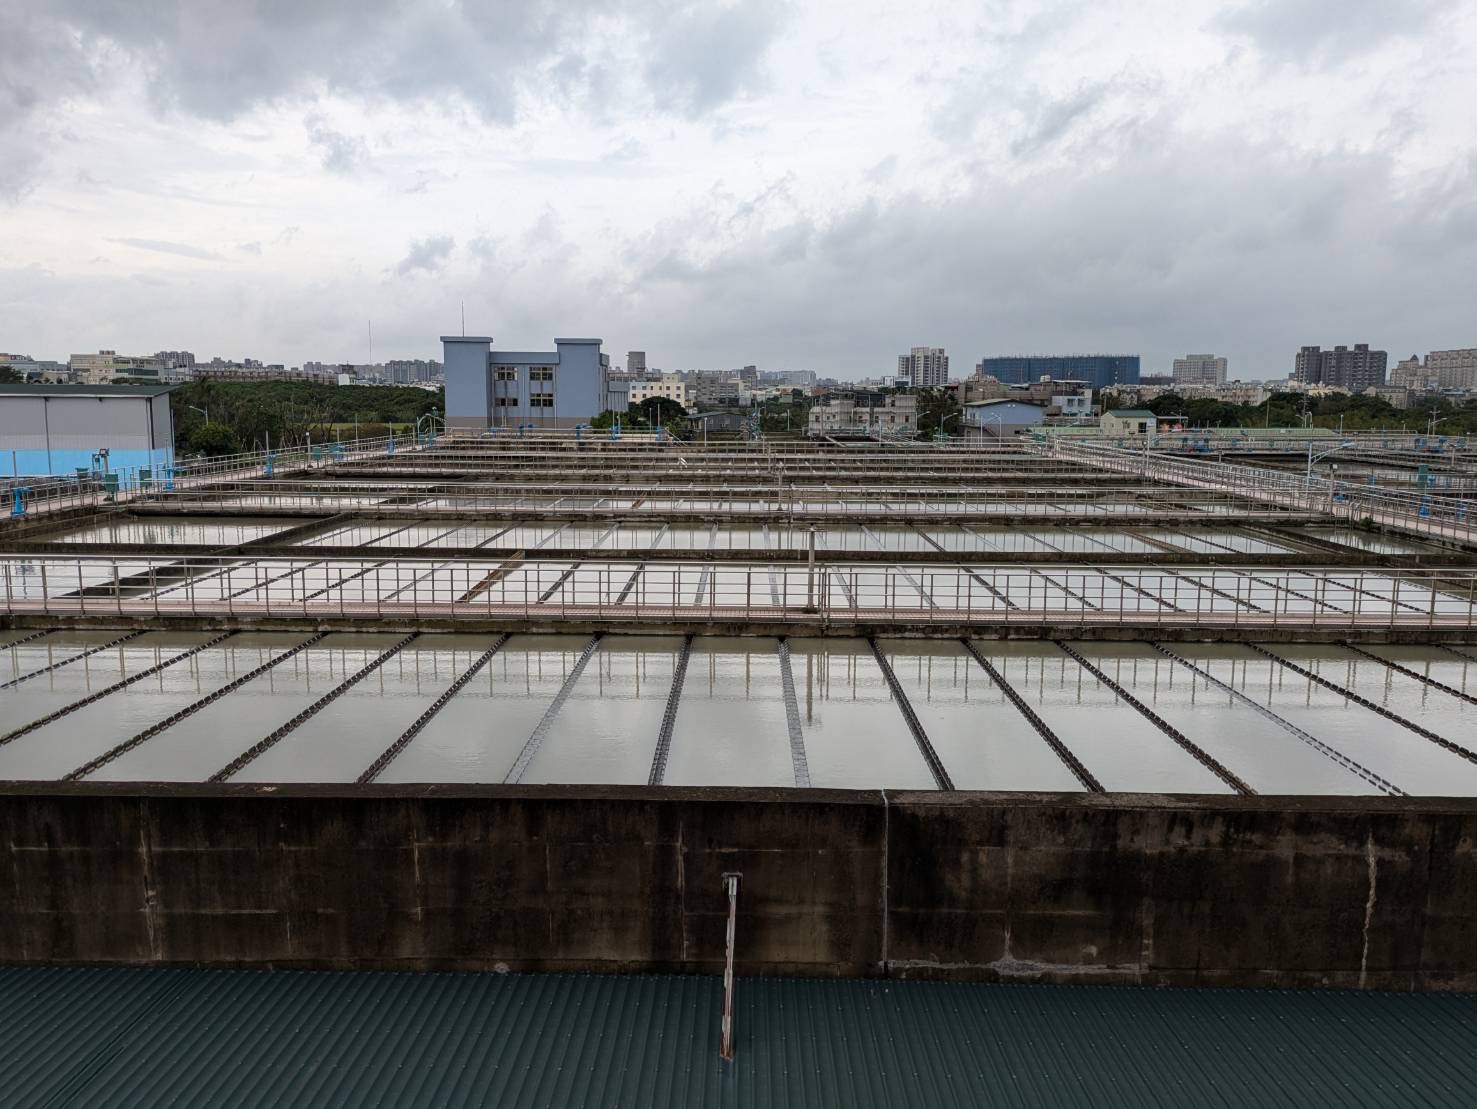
{"type": "Point", "coordinates": [968, 712]}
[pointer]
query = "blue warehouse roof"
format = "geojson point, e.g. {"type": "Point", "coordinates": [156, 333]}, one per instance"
{"type": "Point", "coordinates": [90, 1036]}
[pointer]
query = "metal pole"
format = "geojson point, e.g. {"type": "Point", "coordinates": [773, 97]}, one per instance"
{"type": "Point", "coordinates": [731, 888]}
{"type": "Point", "coordinates": [810, 572]}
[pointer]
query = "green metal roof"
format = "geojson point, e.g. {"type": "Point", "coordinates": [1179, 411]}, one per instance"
{"type": "Point", "coordinates": [133, 1036]}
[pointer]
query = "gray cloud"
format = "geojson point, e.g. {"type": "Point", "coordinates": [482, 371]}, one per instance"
{"type": "Point", "coordinates": [707, 54]}
{"type": "Point", "coordinates": [162, 246]}
{"type": "Point", "coordinates": [216, 59]}
{"type": "Point", "coordinates": [1317, 31]}
{"type": "Point", "coordinates": [1150, 255]}
{"type": "Point", "coordinates": [1054, 119]}
{"type": "Point", "coordinates": [39, 65]}
{"type": "Point", "coordinates": [428, 254]}
{"type": "Point", "coordinates": [339, 152]}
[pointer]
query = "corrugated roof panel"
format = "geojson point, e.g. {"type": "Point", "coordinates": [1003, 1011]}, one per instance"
{"type": "Point", "coordinates": [138, 1037]}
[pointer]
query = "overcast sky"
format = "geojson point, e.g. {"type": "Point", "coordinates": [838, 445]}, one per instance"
{"type": "Point", "coordinates": [794, 185]}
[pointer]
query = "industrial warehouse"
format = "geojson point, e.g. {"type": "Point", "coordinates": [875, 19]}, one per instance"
{"type": "Point", "coordinates": [1057, 712]}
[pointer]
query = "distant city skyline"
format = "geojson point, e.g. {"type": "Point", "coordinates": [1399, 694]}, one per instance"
{"type": "Point", "coordinates": [734, 366]}
{"type": "Point", "coordinates": [776, 184]}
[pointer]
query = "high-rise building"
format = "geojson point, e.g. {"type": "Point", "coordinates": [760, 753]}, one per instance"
{"type": "Point", "coordinates": [1353, 369]}
{"type": "Point", "coordinates": [1454, 369]}
{"type": "Point", "coordinates": [924, 366]}
{"type": "Point", "coordinates": [795, 379]}
{"type": "Point", "coordinates": [405, 371]}
{"type": "Point", "coordinates": [1099, 370]}
{"type": "Point", "coordinates": [1200, 369]}
{"type": "Point", "coordinates": [176, 359]}
{"type": "Point", "coordinates": [635, 362]}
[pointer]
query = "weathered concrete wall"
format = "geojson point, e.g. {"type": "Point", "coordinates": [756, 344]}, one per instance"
{"type": "Point", "coordinates": [1239, 891]}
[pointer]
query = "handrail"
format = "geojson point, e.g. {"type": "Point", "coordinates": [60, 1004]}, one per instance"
{"type": "Point", "coordinates": [501, 586]}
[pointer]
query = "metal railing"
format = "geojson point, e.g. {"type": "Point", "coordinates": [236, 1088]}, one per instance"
{"type": "Point", "coordinates": [500, 588]}
{"type": "Point", "coordinates": [754, 500]}
{"type": "Point", "coordinates": [135, 483]}
{"type": "Point", "coordinates": [1452, 518]}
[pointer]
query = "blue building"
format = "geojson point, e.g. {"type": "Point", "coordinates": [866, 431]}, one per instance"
{"type": "Point", "coordinates": [1000, 418]}
{"type": "Point", "coordinates": [507, 388]}
{"type": "Point", "coordinates": [60, 429]}
{"type": "Point", "coordinates": [1098, 370]}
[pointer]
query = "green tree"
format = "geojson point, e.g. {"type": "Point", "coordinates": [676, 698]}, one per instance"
{"type": "Point", "coordinates": [287, 412]}
{"type": "Point", "coordinates": [9, 375]}
{"type": "Point", "coordinates": [935, 406]}
{"type": "Point", "coordinates": [658, 410]}
{"type": "Point", "coordinates": [214, 439]}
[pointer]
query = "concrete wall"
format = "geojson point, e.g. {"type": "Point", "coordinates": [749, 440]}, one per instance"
{"type": "Point", "coordinates": [1241, 891]}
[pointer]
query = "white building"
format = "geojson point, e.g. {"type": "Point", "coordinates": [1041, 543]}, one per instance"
{"type": "Point", "coordinates": [856, 413]}
{"type": "Point", "coordinates": [924, 367]}
{"type": "Point", "coordinates": [1200, 369]}
{"type": "Point", "coordinates": [1454, 369]}
{"type": "Point", "coordinates": [669, 386]}
{"type": "Point", "coordinates": [107, 366]}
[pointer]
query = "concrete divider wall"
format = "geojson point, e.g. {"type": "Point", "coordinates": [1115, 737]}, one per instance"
{"type": "Point", "coordinates": [1366, 892]}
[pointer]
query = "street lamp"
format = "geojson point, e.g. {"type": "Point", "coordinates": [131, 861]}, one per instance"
{"type": "Point", "coordinates": [1312, 458]}
{"type": "Point", "coordinates": [946, 419]}
{"type": "Point", "coordinates": [203, 411]}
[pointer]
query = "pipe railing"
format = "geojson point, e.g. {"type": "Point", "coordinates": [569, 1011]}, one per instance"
{"type": "Point", "coordinates": [1427, 514]}
{"type": "Point", "coordinates": [754, 500]}
{"type": "Point", "coordinates": [125, 484]}
{"type": "Point", "coordinates": [500, 588]}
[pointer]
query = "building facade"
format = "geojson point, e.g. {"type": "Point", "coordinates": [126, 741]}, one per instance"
{"type": "Point", "coordinates": [669, 386]}
{"type": "Point", "coordinates": [715, 389]}
{"type": "Point", "coordinates": [999, 418]}
{"type": "Point", "coordinates": [60, 429]}
{"type": "Point", "coordinates": [789, 379]}
{"type": "Point", "coordinates": [1454, 369]}
{"type": "Point", "coordinates": [1199, 369]}
{"type": "Point", "coordinates": [864, 413]}
{"type": "Point", "coordinates": [636, 363]}
{"type": "Point", "coordinates": [407, 371]}
{"type": "Point", "coordinates": [1099, 371]}
{"type": "Point", "coordinates": [924, 367]}
{"type": "Point", "coordinates": [488, 388]}
{"type": "Point", "coordinates": [1128, 421]}
{"type": "Point", "coordinates": [1355, 369]}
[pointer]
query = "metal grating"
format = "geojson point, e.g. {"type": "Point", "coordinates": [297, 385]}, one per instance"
{"type": "Point", "coordinates": [194, 1037]}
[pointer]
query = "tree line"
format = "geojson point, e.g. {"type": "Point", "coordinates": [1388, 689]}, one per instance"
{"type": "Point", "coordinates": [224, 417]}
{"type": "Point", "coordinates": [1351, 413]}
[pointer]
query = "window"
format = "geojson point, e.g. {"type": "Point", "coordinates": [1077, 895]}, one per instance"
{"type": "Point", "coordinates": [507, 373]}
{"type": "Point", "coordinates": [541, 400]}
{"type": "Point", "coordinates": [507, 402]}
{"type": "Point", "coordinates": [541, 373]}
